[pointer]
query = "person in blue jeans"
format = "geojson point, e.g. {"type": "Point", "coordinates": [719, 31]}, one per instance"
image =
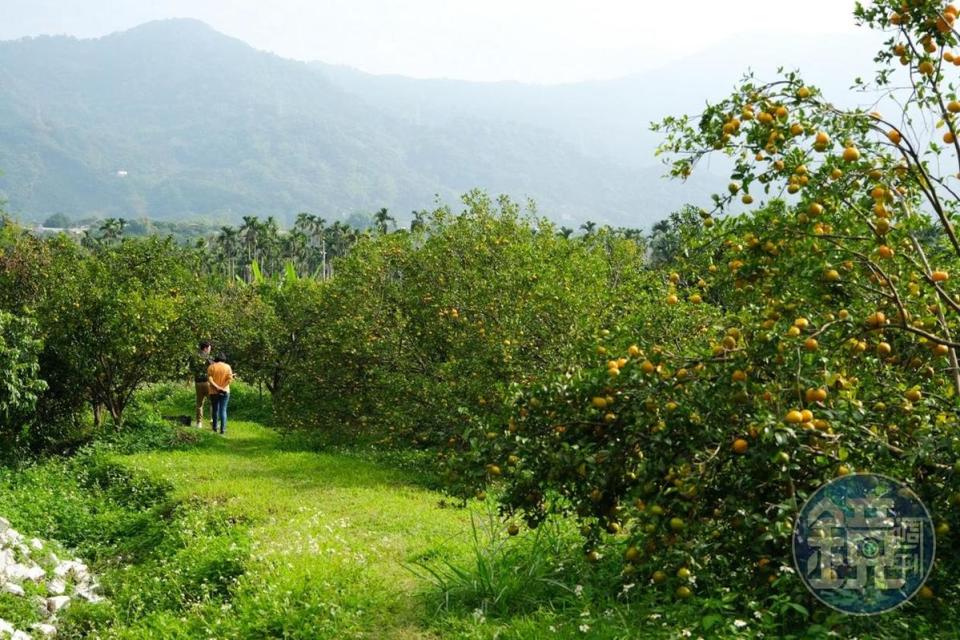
{"type": "Point", "coordinates": [219, 377]}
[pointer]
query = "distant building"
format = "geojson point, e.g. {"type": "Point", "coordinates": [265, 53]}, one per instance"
{"type": "Point", "coordinates": [121, 173]}
{"type": "Point", "coordinates": [72, 231]}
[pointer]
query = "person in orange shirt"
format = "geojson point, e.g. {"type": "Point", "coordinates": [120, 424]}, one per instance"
{"type": "Point", "coordinates": [219, 377]}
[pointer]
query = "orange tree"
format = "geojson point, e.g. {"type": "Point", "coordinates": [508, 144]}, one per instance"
{"type": "Point", "coordinates": [258, 326]}
{"type": "Point", "coordinates": [811, 336]}
{"type": "Point", "coordinates": [419, 335]}
{"type": "Point", "coordinates": [21, 383]}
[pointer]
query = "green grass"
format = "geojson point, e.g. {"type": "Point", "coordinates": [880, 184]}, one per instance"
{"type": "Point", "coordinates": [259, 535]}
{"type": "Point", "coordinates": [330, 532]}
{"type": "Point", "coordinates": [343, 545]}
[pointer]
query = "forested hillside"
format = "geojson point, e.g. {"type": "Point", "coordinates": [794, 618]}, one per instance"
{"type": "Point", "coordinates": [204, 125]}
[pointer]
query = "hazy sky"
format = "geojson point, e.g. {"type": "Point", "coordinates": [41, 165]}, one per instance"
{"type": "Point", "coordinates": [527, 40]}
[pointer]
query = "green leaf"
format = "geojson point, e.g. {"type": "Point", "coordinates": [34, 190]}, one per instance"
{"type": "Point", "coordinates": [709, 622]}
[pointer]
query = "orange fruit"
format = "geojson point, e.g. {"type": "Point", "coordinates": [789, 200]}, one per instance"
{"type": "Point", "coordinates": [740, 446]}
{"type": "Point", "coordinates": [851, 154]}
{"type": "Point", "coordinates": [877, 319]}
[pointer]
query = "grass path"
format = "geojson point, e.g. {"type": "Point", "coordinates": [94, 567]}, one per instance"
{"type": "Point", "coordinates": [329, 532]}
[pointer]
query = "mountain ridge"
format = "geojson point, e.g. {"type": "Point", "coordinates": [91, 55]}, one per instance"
{"type": "Point", "coordinates": [204, 125]}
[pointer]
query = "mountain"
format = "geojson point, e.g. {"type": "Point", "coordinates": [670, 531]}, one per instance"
{"type": "Point", "coordinates": [173, 120]}
{"type": "Point", "coordinates": [611, 118]}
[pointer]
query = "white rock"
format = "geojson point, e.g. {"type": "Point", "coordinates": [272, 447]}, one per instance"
{"type": "Point", "coordinates": [11, 536]}
{"type": "Point", "coordinates": [4, 524]}
{"type": "Point", "coordinates": [20, 635]}
{"type": "Point", "coordinates": [32, 572]}
{"type": "Point", "coordinates": [75, 567]}
{"type": "Point", "coordinates": [15, 589]}
{"type": "Point", "coordinates": [88, 595]}
{"type": "Point", "coordinates": [6, 559]}
{"type": "Point", "coordinates": [36, 544]}
{"type": "Point", "coordinates": [6, 627]}
{"type": "Point", "coordinates": [56, 603]}
{"type": "Point", "coordinates": [56, 587]}
{"type": "Point", "coordinates": [45, 629]}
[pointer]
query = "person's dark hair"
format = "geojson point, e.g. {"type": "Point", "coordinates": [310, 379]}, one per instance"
{"type": "Point", "coordinates": [204, 345]}
{"type": "Point", "coordinates": [219, 358]}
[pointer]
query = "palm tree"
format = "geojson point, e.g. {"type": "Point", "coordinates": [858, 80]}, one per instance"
{"type": "Point", "coordinates": [250, 231]}
{"type": "Point", "coordinates": [111, 229]}
{"type": "Point", "coordinates": [228, 248]}
{"type": "Point", "coordinates": [296, 249]}
{"type": "Point", "coordinates": [315, 228]}
{"type": "Point", "coordinates": [418, 221]}
{"type": "Point", "coordinates": [565, 232]}
{"type": "Point", "coordinates": [270, 246]}
{"type": "Point", "coordinates": [319, 232]}
{"type": "Point", "coordinates": [588, 227]}
{"type": "Point", "coordinates": [380, 219]}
